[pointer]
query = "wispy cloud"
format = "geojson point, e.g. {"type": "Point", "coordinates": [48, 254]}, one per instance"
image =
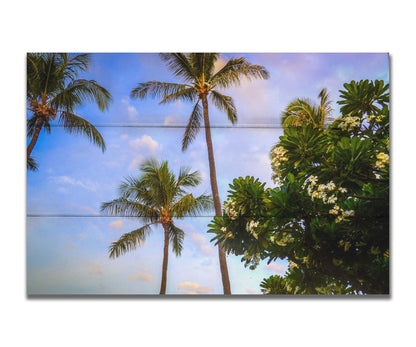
{"type": "Point", "coordinates": [172, 119]}
{"type": "Point", "coordinates": [132, 113]}
{"type": "Point", "coordinates": [193, 288]}
{"type": "Point", "coordinates": [94, 269]}
{"type": "Point", "coordinates": [143, 276]}
{"type": "Point", "coordinates": [84, 208]}
{"type": "Point", "coordinates": [201, 242]}
{"type": "Point", "coordinates": [117, 224]}
{"type": "Point", "coordinates": [66, 180]}
{"type": "Point", "coordinates": [276, 268]}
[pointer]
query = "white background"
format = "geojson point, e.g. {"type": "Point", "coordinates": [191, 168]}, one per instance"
{"type": "Point", "coordinates": [224, 26]}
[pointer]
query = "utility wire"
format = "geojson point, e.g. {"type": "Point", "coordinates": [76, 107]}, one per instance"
{"type": "Point", "coordinates": [180, 126]}
{"type": "Point", "coordinates": [29, 215]}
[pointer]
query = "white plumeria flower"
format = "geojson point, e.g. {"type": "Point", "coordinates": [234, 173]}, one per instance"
{"type": "Point", "coordinates": [331, 185]}
{"type": "Point", "coordinates": [332, 199]}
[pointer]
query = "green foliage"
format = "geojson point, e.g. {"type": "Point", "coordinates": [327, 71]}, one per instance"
{"type": "Point", "coordinates": [55, 91]}
{"type": "Point", "coordinates": [364, 97]}
{"type": "Point", "coordinates": [329, 213]}
{"type": "Point", "coordinates": [304, 111]}
{"type": "Point", "coordinates": [156, 197]}
{"type": "Point", "coordinates": [32, 164]}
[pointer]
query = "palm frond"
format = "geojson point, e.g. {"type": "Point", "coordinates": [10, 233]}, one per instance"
{"type": "Point", "coordinates": [288, 120]}
{"type": "Point", "coordinates": [233, 71]}
{"type": "Point", "coordinates": [133, 188]}
{"type": "Point", "coordinates": [30, 126]}
{"type": "Point", "coordinates": [193, 126]}
{"type": "Point", "coordinates": [180, 65]}
{"type": "Point", "coordinates": [188, 205]}
{"type": "Point", "coordinates": [155, 89]}
{"type": "Point", "coordinates": [33, 73]}
{"type": "Point", "coordinates": [203, 64]}
{"type": "Point", "coordinates": [74, 124]}
{"type": "Point", "coordinates": [32, 165]}
{"type": "Point", "coordinates": [187, 94]}
{"type": "Point", "coordinates": [126, 208]}
{"type": "Point", "coordinates": [129, 241]}
{"type": "Point", "coordinates": [79, 91]}
{"type": "Point", "coordinates": [159, 180]}
{"type": "Point", "coordinates": [304, 111]}
{"type": "Point", "coordinates": [71, 66]}
{"type": "Point", "coordinates": [224, 103]}
{"type": "Point", "coordinates": [176, 237]}
{"type": "Point", "coordinates": [187, 178]}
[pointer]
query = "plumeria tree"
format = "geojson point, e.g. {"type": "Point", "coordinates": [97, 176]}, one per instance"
{"type": "Point", "coordinates": [329, 212]}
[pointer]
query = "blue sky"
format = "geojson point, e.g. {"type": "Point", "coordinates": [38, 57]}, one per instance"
{"type": "Point", "coordinates": [68, 255]}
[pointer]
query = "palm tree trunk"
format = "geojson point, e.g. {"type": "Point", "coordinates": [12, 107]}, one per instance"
{"type": "Point", "coordinates": [38, 127]}
{"type": "Point", "coordinates": [215, 195]}
{"type": "Point", "coordinates": [165, 260]}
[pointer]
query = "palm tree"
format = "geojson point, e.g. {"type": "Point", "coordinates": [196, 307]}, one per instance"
{"type": "Point", "coordinates": [53, 89]}
{"type": "Point", "coordinates": [304, 111]}
{"type": "Point", "coordinates": [197, 72]}
{"type": "Point", "coordinates": [156, 197]}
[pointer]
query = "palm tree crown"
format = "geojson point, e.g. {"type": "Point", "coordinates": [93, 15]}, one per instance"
{"type": "Point", "coordinates": [157, 197]}
{"type": "Point", "coordinates": [304, 111]}
{"type": "Point", "coordinates": [53, 90]}
{"type": "Point", "coordinates": [197, 71]}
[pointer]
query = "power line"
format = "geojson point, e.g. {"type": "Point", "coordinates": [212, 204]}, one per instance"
{"type": "Point", "coordinates": [180, 126]}
{"type": "Point", "coordinates": [94, 216]}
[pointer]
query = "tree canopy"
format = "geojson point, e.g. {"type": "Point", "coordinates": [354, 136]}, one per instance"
{"type": "Point", "coordinates": [329, 213]}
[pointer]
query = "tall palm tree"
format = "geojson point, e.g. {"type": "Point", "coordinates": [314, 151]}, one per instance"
{"type": "Point", "coordinates": [53, 89]}
{"type": "Point", "coordinates": [200, 80]}
{"type": "Point", "coordinates": [304, 111]}
{"type": "Point", "coordinates": [156, 197]}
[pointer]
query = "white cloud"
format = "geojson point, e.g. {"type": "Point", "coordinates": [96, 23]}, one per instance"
{"type": "Point", "coordinates": [145, 144]}
{"type": "Point", "coordinates": [277, 268]}
{"type": "Point", "coordinates": [117, 224]}
{"type": "Point", "coordinates": [84, 208]}
{"type": "Point", "coordinates": [81, 236]}
{"type": "Point", "coordinates": [193, 288]}
{"type": "Point", "coordinates": [124, 137]}
{"type": "Point", "coordinates": [172, 119]}
{"type": "Point", "coordinates": [198, 238]}
{"type": "Point", "coordinates": [135, 163]}
{"type": "Point", "coordinates": [207, 249]}
{"type": "Point", "coordinates": [145, 277]}
{"type": "Point", "coordinates": [200, 241]}
{"type": "Point", "coordinates": [66, 180]}
{"type": "Point", "coordinates": [131, 111]}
